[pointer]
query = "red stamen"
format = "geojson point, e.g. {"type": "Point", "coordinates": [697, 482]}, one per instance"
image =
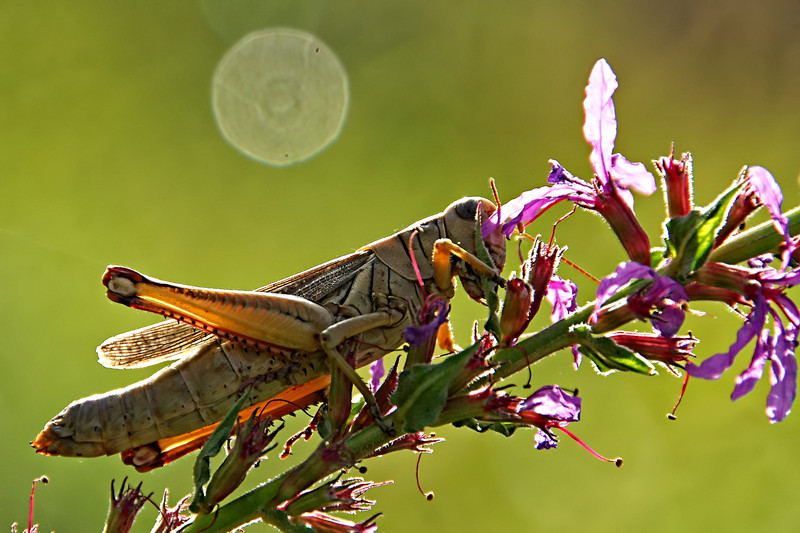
{"type": "Point", "coordinates": [44, 480]}
{"type": "Point", "coordinates": [672, 416]}
{"type": "Point", "coordinates": [617, 461]}
{"type": "Point", "coordinates": [428, 495]}
{"type": "Point", "coordinates": [553, 233]}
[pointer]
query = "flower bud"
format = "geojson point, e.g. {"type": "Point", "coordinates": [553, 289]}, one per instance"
{"type": "Point", "coordinates": [251, 441]}
{"type": "Point", "coordinates": [124, 507]}
{"type": "Point", "coordinates": [516, 310]}
{"type": "Point", "coordinates": [677, 177]}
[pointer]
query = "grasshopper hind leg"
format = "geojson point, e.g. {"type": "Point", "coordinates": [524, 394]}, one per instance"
{"type": "Point", "coordinates": [336, 334]}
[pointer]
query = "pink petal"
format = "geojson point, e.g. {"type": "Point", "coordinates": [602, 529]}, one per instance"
{"type": "Point", "coordinates": [600, 123]}
{"type": "Point", "coordinates": [633, 176]}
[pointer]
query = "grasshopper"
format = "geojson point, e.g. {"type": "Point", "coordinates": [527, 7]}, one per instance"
{"type": "Point", "coordinates": [280, 340]}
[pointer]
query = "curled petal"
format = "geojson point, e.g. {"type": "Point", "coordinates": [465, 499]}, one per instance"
{"type": "Point", "coordinates": [770, 194]}
{"type": "Point", "coordinates": [632, 176]}
{"type": "Point", "coordinates": [783, 376]}
{"type": "Point", "coordinates": [747, 380]}
{"type": "Point", "coordinates": [788, 307]}
{"type": "Point", "coordinates": [525, 208]}
{"type": "Point", "coordinates": [777, 279]}
{"type": "Point", "coordinates": [714, 366]}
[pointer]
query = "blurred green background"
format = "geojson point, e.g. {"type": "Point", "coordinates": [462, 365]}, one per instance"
{"type": "Point", "coordinates": [109, 154]}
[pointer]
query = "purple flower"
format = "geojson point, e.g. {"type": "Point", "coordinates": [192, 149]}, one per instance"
{"type": "Point", "coordinates": [777, 346]}
{"type": "Point", "coordinates": [665, 295]}
{"type": "Point", "coordinates": [552, 402]}
{"type": "Point", "coordinates": [529, 205]}
{"type": "Point", "coordinates": [600, 130]}
{"type": "Point", "coordinates": [550, 407]}
{"type": "Point", "coordinates": [420, 335]}
{"type": "Point", "coordinates": [608, 193]}
{"type": "Point", "coordinates": [376, 373]}
{"type": "Point", "coordinates": [562, 295]}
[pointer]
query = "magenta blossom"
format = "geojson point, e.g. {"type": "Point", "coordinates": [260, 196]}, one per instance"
{"type": "Point", "coordinates": [529, 205]}
{"type": "Point", "coordinates": [600, 130]}
{"type": "Point", "coordinates": [661, 302]}
{"type": "Point", "coordinates": [562, 295]}
{"type": "Point", "coordinates": [432, 316]}
{"type": "Point", "coordinates": [550, 407]}
{"type": "Point", "coordinates": [609, 193]}
{"type": "Point", "coordinates": [777, 346]}
{"type": "Point", "coordinates": [376, 373]}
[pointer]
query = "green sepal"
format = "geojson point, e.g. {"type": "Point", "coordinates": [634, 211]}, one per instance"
{"type": "Point", "coordinates": [422, 390]}
{"type": "Point", "coordinates": [324, 428]}
{"type": "Point", "coordinates": [202, 465]}
{"type": "Point", "coordinates": [608, 356]}
{"type": "Point", "coordinates": [690, 238]}
{"type": "Point", "coordinates": [506, 429]}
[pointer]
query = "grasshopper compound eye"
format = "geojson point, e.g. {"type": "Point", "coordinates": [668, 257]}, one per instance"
{"type": "Point", "coordinates": [280, 96]}
{"type": "Point", "coordinates": [467, 207]}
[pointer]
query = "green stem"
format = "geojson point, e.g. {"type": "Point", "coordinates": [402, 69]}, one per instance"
{"type": "Point", "coordinates": [240, 511]}
{"type": "Point", "coordinates": [255, 504]}
{"type": "Point", "coordinates": [756, 241]}
{"type": "Point", "coordinates": [553, 338]}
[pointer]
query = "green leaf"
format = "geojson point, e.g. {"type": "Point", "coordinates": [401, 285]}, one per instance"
{"type": "Point", "coordinates": [690, 238]}
{"type": "Point", "coordinates": [505, 429]}
{"type": "Point", "coordinates": [422, 390]}
{"type": "Point", "coordinates": [202, 466]}
{"type": "Point", "coordinates": [609, 356]}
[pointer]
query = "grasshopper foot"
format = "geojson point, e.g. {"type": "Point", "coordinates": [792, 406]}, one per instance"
{"type": "Point", "coordinates": [374, 411]}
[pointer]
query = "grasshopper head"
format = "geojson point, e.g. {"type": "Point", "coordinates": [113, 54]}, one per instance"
{"type": "Point", "coordinates": [460, 221]}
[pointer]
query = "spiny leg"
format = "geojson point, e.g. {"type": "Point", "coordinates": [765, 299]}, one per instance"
{"type": "Point", "coordinates": [260, 319]}
{"type": "Point", "coordinates": [336, 334]}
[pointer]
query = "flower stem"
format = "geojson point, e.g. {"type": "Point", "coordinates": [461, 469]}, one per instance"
{"type": "Point", "coordinates": [755, 241]}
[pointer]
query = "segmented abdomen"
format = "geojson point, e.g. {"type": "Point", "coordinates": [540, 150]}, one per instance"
{"type": "Point", "coordinates": [193, 392]}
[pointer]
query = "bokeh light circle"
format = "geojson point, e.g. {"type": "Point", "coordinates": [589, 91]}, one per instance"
{"type": "Point", "coordinates": [280, 96]}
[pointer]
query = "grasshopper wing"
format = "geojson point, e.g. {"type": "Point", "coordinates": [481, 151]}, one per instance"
{"type": "Point", "coordinates": [150, 345]}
